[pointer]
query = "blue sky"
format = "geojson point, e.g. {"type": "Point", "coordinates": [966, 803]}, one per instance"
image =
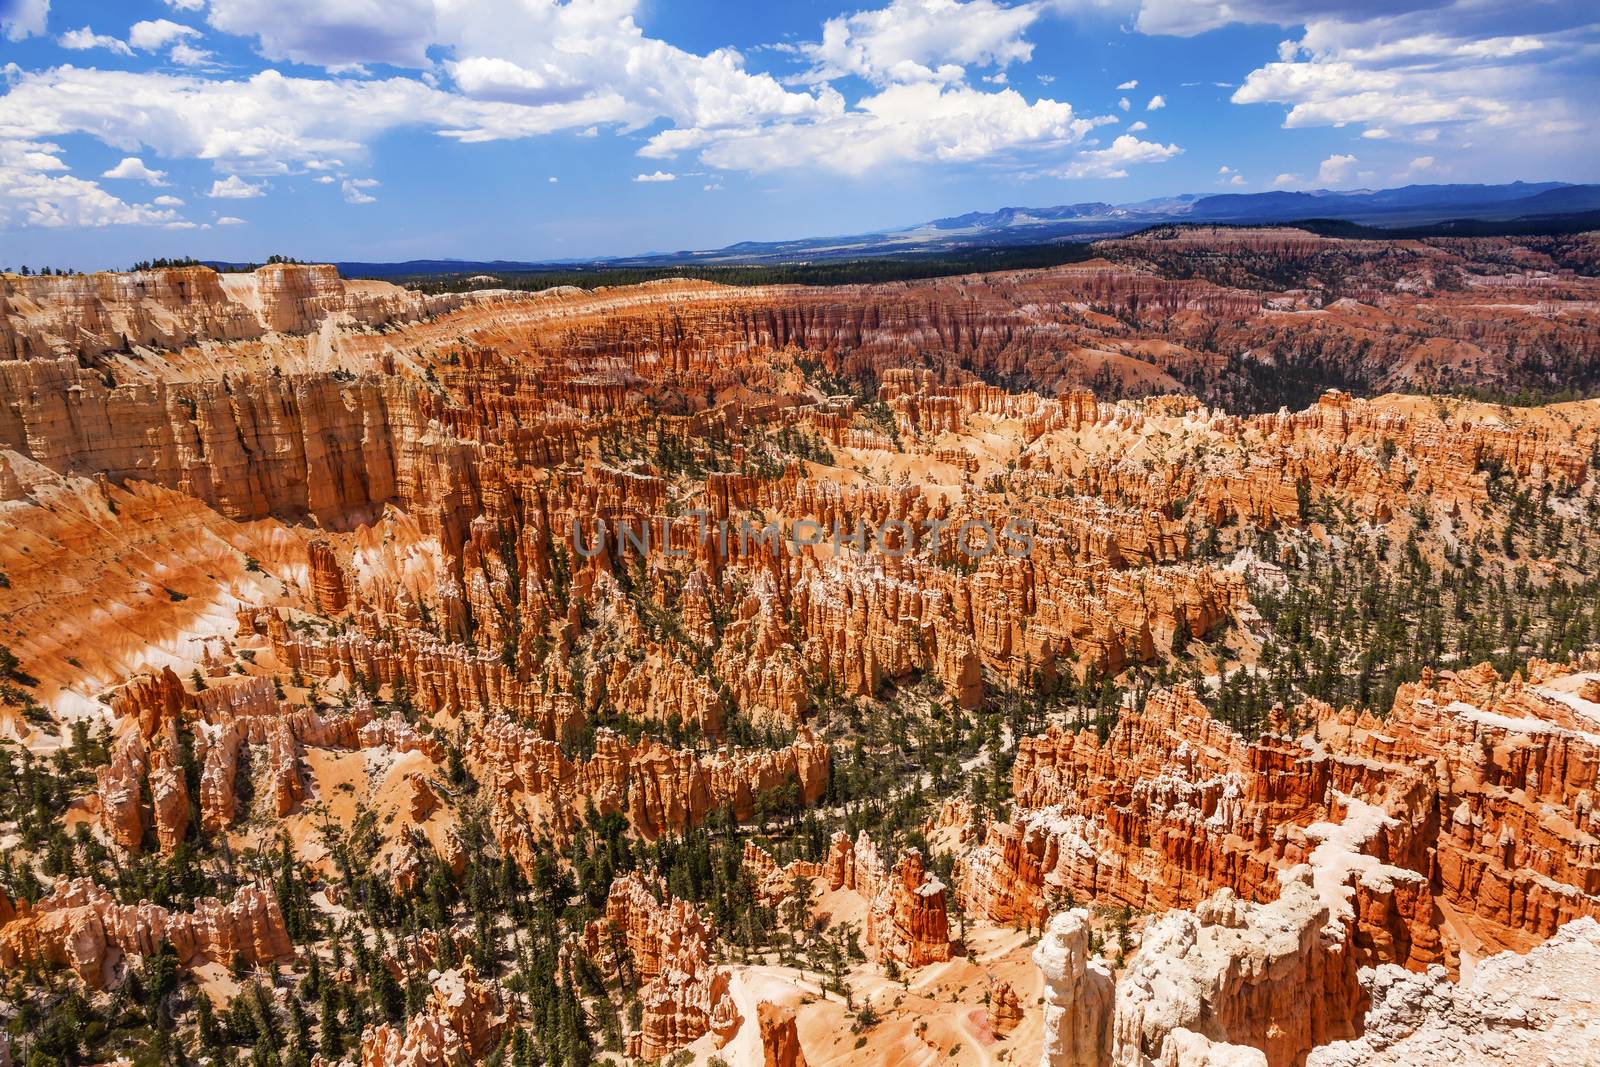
{"type": "Point", "coordinates": [527, 129]}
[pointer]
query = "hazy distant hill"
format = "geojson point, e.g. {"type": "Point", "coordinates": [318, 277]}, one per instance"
{"type": "Point", "coordinates": [1461, 206]}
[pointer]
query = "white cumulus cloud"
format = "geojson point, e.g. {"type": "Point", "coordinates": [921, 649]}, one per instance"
{"type": "Point", "coordinates": [23, 18]}
{"type": "Point", "coordinates": [332, 33]}
{"type": "Point", "coordinates": [234, 187]}
{"type": "Point", "coordinates": [1156, 103]}
{"type": "Point", "coordinates": [83, 39]}
{"type": "Point", "coordinates": [134, 169]}
{"type": "Point", "coordinates": [1486, 74]}
{"type": "Point", "coordinates": [187, 55]}
{"type": "Point", "coordinates": [354, 190]}
{"type": "Point", "coordinates": [911, 122]}
{"type": "Point", "coordinates": [921, 40]}
{"type": "Point", "coordinates": [1114, 160]}
{"type": "Point", "coordinates": [152, 34]}
{"type": "Point", "coordinates": [936, 88]}
{"type": "Point", "coordinates": [1419, 165]}
{"type": "Point", "coordinates": [1336, 169]}
{"type": "Point", "coordinates": [658, 176]}
{"type": "Point", "coordinates": [36, 190]}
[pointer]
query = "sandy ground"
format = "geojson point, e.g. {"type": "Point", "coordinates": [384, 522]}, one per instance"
{"type": "Point", "coordinates": [932, 1015]}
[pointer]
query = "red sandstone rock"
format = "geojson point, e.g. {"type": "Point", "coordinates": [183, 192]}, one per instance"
{"type": "Point", "coordinates": [906, 916]}
{"type": "Point", "coordinates": [532, 783]}
{"type": "Point", "coordinates": [1005, 1010]}
{"type": "Point", "coordinates": [907, 921]}
{"type": "Point", "coordinates": [1173, 806]}
{"type": "Point", "coordinates": [773, 882]}
{"type": "Point", "coordinates": [120, 796]}
{"type": "Point", "coordinates": [328, 590]}
{"type": "Point", "coordinates": [81, 927]}
{"type": "Point", "coordinates": [422, 802]}
{"type": "Point", "coordinates": [460, 1024]}
{"type": "Point", "coordinates": [669, 950]}
{"type": "Point", "coordinates": [780, 1041]}
{"type": "Point", "coordinates": [169, 800]}
{"type": "Point", "coordinates": [218, 777]}
{"type": "Point", "coordinates": [154, 701]}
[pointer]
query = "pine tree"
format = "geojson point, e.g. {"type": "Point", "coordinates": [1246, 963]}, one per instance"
{"type": "Point", "coordinates": [329, 1043]}
{"type": "Point", "coordinates": [299, 1033]}
{"type": "Point", "coordinates": [211, 1039]}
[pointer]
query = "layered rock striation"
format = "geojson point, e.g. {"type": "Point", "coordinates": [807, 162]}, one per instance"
{"type": "Point", "coordinates": [80, 926]}
{"type": "Point", "coordinates": [536, 791]}
{"type": "Point", "coordinates": [907, 920]}
{"type": "Point", "coordinates": [667, 948]}
{"type": "Point", "coordinates": [461, 1023]}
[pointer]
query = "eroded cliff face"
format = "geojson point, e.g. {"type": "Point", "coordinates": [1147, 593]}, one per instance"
{"type": "Point", "coordinates": [780, 1043]}
{"type": "Point", "coordinates": [537, 793]}
{"type": "Point", "coordinates": [1535, 1008]}
{"type": "Point", "coordinates": [461, 1023]}
{"type": "Point", "coordinates": [91, 315]}
{"type": "Point", "coordinates": [81, 927]}
{"type": "Point", "coordinates": [1239, 983]}
{"type": "Point", "coordinates": [485, 434]}
{"type": "Point", "coordinates": [1231, 978]}
{"type": "Point", "coordinates": [353, 567]}
{"type": "Point", "coordinates": [1172, 806]}
{"type": "Point", "coordinates": [668, 950]}
{"type": "Point", "coordinates": [1394, 841]}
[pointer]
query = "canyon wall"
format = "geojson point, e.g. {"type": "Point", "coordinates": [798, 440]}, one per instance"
{"type": "Point", "coordinates": [669, 951]}
{"type": "Point", "coordinates": [1391, 840]}
{"type": "Point", "coordinates": [536, 792]}
{"type": "Point", "coordinates": [80, 926]}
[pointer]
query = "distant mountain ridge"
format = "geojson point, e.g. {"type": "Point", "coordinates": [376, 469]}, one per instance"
{"type": "Point", "coordinates": [1407, 206]}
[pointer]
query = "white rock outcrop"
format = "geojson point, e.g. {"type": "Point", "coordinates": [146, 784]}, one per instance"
{"type": "Point", "coordinates": [1078, 994]}
{"type": "Point", "coordinates": [1543, 1007]}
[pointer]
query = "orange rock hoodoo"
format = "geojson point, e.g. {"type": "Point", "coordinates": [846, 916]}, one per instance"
{"type": "Point", "coordinates": [81, 927]}
{"type": "Point", "coordinates": [906, 917]}
{"type": "Point", "coordinates": [143, 786]}
{"type": "Point", "coordinates": [461, 1023]}
{"type": "Point", "coordinates": [669, 951]}
{"type": "Point", "coordinates": [780, 1040]}
{"type": "Point", "coordinates": [774, 883]}
{"type": "Point", "coordinates": [536, 790]}
{"type": "Point", "coordinates": [1005, 1010]}
{"type": "Point", "coordinates": [1450, 799]}
{"type": "Point", "coordinates": [328, 591]}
